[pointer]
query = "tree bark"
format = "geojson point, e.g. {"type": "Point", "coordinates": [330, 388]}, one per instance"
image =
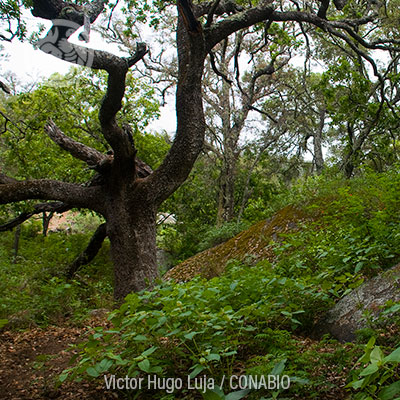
{"type": "Point", "coordinates": [16, 243]}
{"type": "Point", "coordinates": [46, 218]}
{"type": "Point", "coordinates": [318, 156]}
{"type": "Point", "coordinates": [131, 228]}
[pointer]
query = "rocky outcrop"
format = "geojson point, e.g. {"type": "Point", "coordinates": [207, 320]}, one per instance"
{"type": "Point", "coordinates": [348, 315]}
{"type": "Point", "coordinates": [251, 245]}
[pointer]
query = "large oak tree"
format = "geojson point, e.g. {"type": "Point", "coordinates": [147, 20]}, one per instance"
{"type": "Point", "coordinates": [123, 190]}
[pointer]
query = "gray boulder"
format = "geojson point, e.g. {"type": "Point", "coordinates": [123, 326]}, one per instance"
{"type": "Point", "coordinates": [347, 316]}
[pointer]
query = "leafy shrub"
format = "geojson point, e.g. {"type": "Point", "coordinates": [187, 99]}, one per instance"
{"type": "Point", "coordinates": [34, 290]}
{"type": "Point", "coordinates": [353, 232]}
{"type": "Point", "coordinates": [378, 376]}
{"type": "Point", "coordinates": [199, 326]}
{"type": "Point", "coordinates": [216, 235]}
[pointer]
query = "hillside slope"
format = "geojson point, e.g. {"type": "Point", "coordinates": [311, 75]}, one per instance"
{"type": "Point", "coordinates": [251, 245]}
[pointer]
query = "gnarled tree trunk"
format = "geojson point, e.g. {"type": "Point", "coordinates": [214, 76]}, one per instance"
{"type": "Point", "coordinates": [131, 228]}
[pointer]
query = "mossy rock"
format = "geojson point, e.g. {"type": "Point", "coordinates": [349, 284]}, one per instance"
{"type": "Point", "coordinates": [253, 244]}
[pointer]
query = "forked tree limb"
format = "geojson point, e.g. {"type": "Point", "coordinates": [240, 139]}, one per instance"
{"type": "Point", "coordinates": [95, 159]}
{"type": "Point", "coordinates": [216, 70]}
{"type": "Point", "coordinates": [244, 19]}
{"type": "Point", "coordinates": [193, 26]}
{"type": "Point", "coordinates": [56, 43]}
{"type": "Point", "coordinates": [90, 252]}
{"type": "Point", "coordinates": [78, 150]}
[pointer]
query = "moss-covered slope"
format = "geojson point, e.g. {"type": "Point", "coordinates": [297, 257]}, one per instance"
{"type": "Point", "coordinates": [253, 244]}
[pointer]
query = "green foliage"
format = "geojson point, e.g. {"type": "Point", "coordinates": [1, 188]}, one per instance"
{"type": "Point", "coordinates": [194, 208]}
{"type": "Point", "coordinates": [216, 235]}
{"type": "Point", "coordinates": [200, 326]}
{"type": "Point", "coordinates": [72, 101]}
{"type": "Point", "coordinates": [378, 376]}
{"type": "Point", "coordinates": [353, 231]}
{"type": "Point", "coordinates": [10, 13]}
{"type": "Point", "coordinates": [33, 290]}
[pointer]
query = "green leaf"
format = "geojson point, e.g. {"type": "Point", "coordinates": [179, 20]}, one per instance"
{"type": "Point", "coordinates": [140, 338]}
{"type": "Point", "coordinates": [144, 365]}
{"type": "Point", "coordinates": [376, 355]}
{"type": "Point", "coordinates": [104, 365]}
{"type": "Point", "coordinates": [371, 369]}
{"type": "Point", "coordinates": [356, 384]}
{"type": "Point", "coordinates": [196, 371]}
{"type": "Point", "coordinates": [213, 357]}
{"type": "Point", "coordinates": [63, 377]}
{"type": "Point", "coordinates": [190, 335]}
{"type": "Point", "coordinates": [359, 266]}
{"type": "Point", "coordinates": [394, 356]}
{"type": "Point", "coordinates": [155, 370]}
{"type": "Point", "coordinates": [288, 314]}
{"type": "Point", "coordinates": [388, 393]}
{"type": "Point", "coordinates": [392, 309]}
{"type": "Point", "coordinates": [279, 367]}
{"type": "Point", "coordinates": [233, 285]}
{"type": "Point", "coordinates": [371, 343]}
{"type": "Point", "coordinates": [3, 322]}
{"type": "Point", "coordinates": [149, 351]}
{"type": "Point", "coordinates": [237, 395]}
{"type": "Point", "coordinates": [92, 372]}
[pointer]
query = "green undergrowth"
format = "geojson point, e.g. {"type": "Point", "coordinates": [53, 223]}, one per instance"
{"type": "Point", "coordinates": [255, 319]}
{"type": "Point", "coordinates": [248, 322]}
{"type": "Point", "coordinates": [353, 235]}
{"type": "Point", "coordinates": [251, 321]}
{"type": "Point", "coordinates": [33, 287]}
{"type": "Point", "coordinates": [340, 230]}
{"type": "Point", "coordinates": [247, 318]}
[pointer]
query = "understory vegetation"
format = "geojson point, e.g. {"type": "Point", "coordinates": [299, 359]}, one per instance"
{"type": "Point", "coordinates": [253, 320]}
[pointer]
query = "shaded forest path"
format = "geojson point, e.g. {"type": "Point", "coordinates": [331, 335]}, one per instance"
{"type": "Point", "coordinates": [30, 362]}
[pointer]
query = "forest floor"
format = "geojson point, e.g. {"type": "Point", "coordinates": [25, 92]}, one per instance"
{"type": "Point", "coordinates": [32, 360]}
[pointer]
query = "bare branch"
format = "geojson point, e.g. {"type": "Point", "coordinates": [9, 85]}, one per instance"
{"type": "Point", "coordinates": [222, 29]}
{"type": "Point", "coordinates": [216, 70]}
{"type": "Point", "coordinates": [37, 209]}
{"type": "Point", "coordinates": [4, 87]}
{"type": "Point", "coordinates": [78, 150]}
{"type": "Point", "coordinates": [90, 252]}
{"type": "Point", "coordinates": [264, 113]}
{"type": "Point", "coordinates": [47, 189]}
{"type": "Point", "coordinates": [94, 158]}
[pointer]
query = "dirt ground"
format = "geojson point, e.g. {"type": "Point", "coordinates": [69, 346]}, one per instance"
{"type": "Point", "coordinates": [31, 361]}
